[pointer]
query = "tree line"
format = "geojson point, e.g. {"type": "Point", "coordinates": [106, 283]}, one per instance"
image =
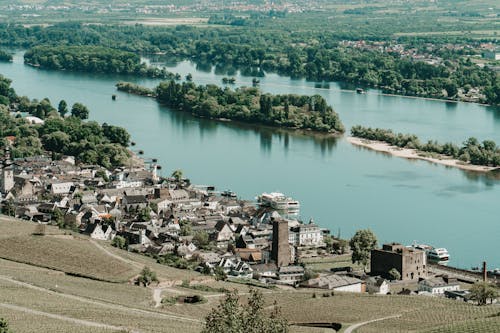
{"type": "Point", "coordinates": [251, 105]}
{"type": "Point", "coordinates": [93, 59]}
{"type": "Point", "coordinates": [64, 131]}
{"type": "Point", "coordinates": [472, 151]}
{"type": "Point", "coordinates": [314, 55]}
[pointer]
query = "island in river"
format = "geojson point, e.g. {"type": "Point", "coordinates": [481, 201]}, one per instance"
{"type": "Point", "coordinates": [248, 105]}
{"type": "Point", "coordinates": [416, 154]}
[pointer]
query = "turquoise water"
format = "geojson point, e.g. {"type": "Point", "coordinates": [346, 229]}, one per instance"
{"type": "Point", "coordinates": [341, 186]}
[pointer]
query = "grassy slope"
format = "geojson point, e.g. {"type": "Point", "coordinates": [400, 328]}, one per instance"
{"type": "Point", "coordinates": [132, 307]}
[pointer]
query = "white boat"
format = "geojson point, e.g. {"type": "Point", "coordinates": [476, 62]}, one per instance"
{"type": "Point", "coordinates": [438, 255]}
{"type": "Point", "coordinates": [278, 201]}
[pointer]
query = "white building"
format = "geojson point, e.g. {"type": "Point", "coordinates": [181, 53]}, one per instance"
{"type": "Point", "coordinates": [306, 235]}
{"type": "Point", "coordinates": [438, 285]}
{"type": "Point", "coordinates": [336, 282]}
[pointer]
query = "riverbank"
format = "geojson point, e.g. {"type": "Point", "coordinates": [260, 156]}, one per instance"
{"type": "Point", "coordinates": [415, 154]}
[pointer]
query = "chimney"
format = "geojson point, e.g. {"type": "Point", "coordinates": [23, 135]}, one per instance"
{"type": "Point", "coordinates": [485, 273]}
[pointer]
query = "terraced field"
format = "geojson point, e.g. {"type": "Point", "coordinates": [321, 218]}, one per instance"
{"type": "Point", "coordinates": [58, 302]}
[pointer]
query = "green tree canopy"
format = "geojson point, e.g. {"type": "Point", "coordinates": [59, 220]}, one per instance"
{"type": "Point", "coordinates": [361, 244]}
{"type": "Point", "coordinates": [482, 292]}
{"type": "Point", "coordinates": [232, 317]}
{"type": "Point", "coordinates": [79, 110]}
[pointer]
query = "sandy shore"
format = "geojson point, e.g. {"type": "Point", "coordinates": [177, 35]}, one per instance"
{"type": "Point", "coordinates": [413, 154]}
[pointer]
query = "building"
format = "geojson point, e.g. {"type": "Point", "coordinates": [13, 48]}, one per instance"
{"type": "Point", "coordinates": [291, 274]}
{"type": "Point", "coordinates": [306, 235]}
{"type": "Point", "coordinates": [438, 285]}
{"type": "Point", "coordinates": [336, 282]}
{"type": "Point", "coordinates": [409, 262]}
{"type": "Point", "coordinates": [7, 178]}
{"type": "Point", "coordinates": [377, 285]}
{"type": "Point", "coordinates": [281, 249]}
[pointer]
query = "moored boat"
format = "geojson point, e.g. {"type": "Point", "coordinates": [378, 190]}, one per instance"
{"type": "Point", "coordinates": [278, 201]}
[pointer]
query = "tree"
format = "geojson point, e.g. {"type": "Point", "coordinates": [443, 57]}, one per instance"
{"type": "Point", "coordinates": [220, 275]}
{"type": "Point", "coordinates": [8, 207]}
{"type": "Point", "coordinates": [177, 175]}
{"type": "Point", "coordinates": [62, 108]}
{"type": "Point", "coordinates": [58, 217]}
{"type": "Point", "coordinates": [482, 292]}
{"type": "Point", "coordinates": [147, 277]}
{"type": "Point", "coordinates": [201, 240]}
{"type": "Point", "coordinates": [232, 317]}
{"type": "Point", "coordinates": [4, 326]}
{"type": "Point", "coordinates": [394, 274]}
{"type": "Point", "coordinates": [144, 214]}
{"type": "Point", "coordinates": [119, 242]}
{"type": "Point", "coordinates": [80, 111]}
{"type": "Point", "coordinates": [361, 244]}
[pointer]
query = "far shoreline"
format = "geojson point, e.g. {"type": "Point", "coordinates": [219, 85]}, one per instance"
{"type": "Point", "coordinates": [413, 154]}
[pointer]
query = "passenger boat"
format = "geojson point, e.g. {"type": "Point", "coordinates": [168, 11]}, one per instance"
{"type": "Point", "coordinates": [360, 91]}
{"type": "Point", "coordinates": [436, 255]}
{"type": "Point", "coordinates": [278, 201]}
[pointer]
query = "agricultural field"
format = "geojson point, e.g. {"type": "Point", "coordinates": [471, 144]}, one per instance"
{"type": "Point", "coordinates": [474, 326]}
{"type": "Point", "coordinates": [70, 254]}
{"type": "Point", "coordinates": [59, 302]}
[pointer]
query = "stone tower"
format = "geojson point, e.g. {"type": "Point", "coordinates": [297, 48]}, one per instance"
{"type": "Point", "coordinates": [7, 179]}
{"type": "Point", "coordinates": [281, 249]}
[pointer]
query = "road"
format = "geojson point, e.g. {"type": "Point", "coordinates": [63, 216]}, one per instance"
{"type": "Point", "coordinates": [351, 329]}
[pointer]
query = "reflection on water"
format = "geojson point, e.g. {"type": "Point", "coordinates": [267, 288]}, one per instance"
{"type": "Point", "coordinates": [266, 141]}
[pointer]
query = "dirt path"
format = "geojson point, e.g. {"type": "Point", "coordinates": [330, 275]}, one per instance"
{"type": "Point", "coordinates": [157, 297]}
{"type": "Point", "coordinates": [109, 253]}
{"type": "Point", "coordinates": [101, 303]}
{"type": "Point", "coordinates": [68, 319]}
{"type": "Point", "coordinates": [351, 329]}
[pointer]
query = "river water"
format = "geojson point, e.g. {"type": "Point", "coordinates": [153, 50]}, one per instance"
{"type": "Point", "coordinates": [340, 186]}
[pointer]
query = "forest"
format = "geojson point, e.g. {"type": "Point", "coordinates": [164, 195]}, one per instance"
{"type": "Point", "coordinates": [314, 55]}
{"type": "Point", "coordinates": [92, 59]}
{"type": "Point", "coordinates": [472, 151]}
{"type": "Point", "coordinates": [5, 56]}
{"type": "Point", "coordinates": [251, 106]}
{"type": "Point", "coordinates": [64, 131]}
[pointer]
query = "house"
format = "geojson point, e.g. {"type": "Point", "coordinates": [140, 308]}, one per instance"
{"type": "Point", "coordinates": [438, 285]}
{"type": "Point", "coordinates": [377, 285]}
{"type": "Point", "coordinates": [223, 234]}
{"type": "Point", "coordinates": [186, 251]}
{"type": "Point", "coordinates": [309, 235]}
{"type": "Point", "coordinates": [135, 202]}
{"type": "Point", "coordinates": [95, 231]}
{"type": "Point", "coordinates": [290, 274]}
{"type": "Point", "coordinates": [249, 255]}
{"type": "Point", "coordinates": [336, 282]}
{"type": "Point", "coordinates": [411, 263]}
{"type": "Point", "coordinates": [61, 188]}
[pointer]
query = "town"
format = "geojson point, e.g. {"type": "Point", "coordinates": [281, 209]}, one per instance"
{"type": "Point", "coordinates": [195, 227]}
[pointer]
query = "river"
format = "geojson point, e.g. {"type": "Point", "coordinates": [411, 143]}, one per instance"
{"type": "Point", "coordinates": [340, 186]}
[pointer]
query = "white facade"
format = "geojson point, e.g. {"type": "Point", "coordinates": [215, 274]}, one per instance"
{"type": "Point", "coordinates": [306, 235]}
{"type": "Point", "coordinates": [437, 286]}
{"type": "Point", "coordinates": [61, 188]}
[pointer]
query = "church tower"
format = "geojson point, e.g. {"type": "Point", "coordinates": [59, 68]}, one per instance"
{"type": "Point", "coordinates": [7, 178]}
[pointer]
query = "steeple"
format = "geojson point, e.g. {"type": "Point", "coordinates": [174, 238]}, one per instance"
{"type": "Point", "coordinates": [7, 176]}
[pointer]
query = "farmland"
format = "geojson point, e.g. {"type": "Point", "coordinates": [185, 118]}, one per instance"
{"type": "Point", "coordinates": [41, 290]}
